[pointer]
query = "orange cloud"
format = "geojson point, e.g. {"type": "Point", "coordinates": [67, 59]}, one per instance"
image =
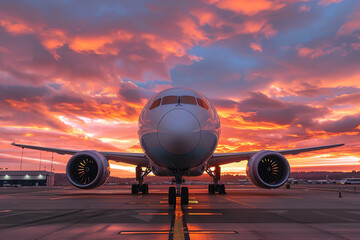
{"type": "Point", "coordinates": [164, 47]}
{"type": "Point", "coordinates": [103, 43]}
{"type": "Point", "coordinates": [205, 17]}
{"type": "Point", "coordinates": [98, 44]}
{"type": "Point", "coordinates": [256, 47]}
{"type": "Point", "coordinates": [247, 7]}
{"type": "Point", "coordinates": [51, 38]}
{"type": "Point", "coordinates": [318, 52]}
{"type": "Point", "coordinates": [17, 26]}
{"type": "Point", "coordinates": [192, 33]}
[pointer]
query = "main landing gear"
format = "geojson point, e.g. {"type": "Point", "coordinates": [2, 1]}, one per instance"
{"type": "Point", "coordinates": [141, 187]}
{"type": "Point", "coordinates": [216, 187]}
{"type": "Point", "coordinates": [178, 192]}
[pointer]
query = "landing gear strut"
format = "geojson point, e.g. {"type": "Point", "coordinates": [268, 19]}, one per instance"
{"type": "Point", "coordinates": [141, 187]}
{"type": "Point", "coordinates": [216, 187]}
{"type": "Point", "coordinates": [182, 192]}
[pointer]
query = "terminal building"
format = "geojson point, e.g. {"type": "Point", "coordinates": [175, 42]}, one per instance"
{"type": "Point", "coordinates": [26, 178]}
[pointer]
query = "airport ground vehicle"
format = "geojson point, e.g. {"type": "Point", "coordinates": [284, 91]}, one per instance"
{"type": "Point", "coordinates": [350, 181]}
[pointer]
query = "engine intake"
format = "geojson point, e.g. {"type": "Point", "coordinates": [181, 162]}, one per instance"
{"type": "Point", "coordinates": [268, 169]}
{"type": "Point", "coordinates": [87, 169]}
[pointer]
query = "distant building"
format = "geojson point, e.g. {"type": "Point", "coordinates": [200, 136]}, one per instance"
{"type": "Point", "coordinates": [26, 178]}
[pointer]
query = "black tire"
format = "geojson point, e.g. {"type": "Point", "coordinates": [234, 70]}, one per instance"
{"type": "Point", "coordinates": [134, 189]}
{"type": "Point", "coordinates": [184, 195]}
{"type": "Point", "coordinates": [172, 196]}
{"type": "Point", "coordinates": [211, 188]}
{"type": "Point", "coordinates": [222, 189]}
{"type": "Point", "coordinates": [144, 189]}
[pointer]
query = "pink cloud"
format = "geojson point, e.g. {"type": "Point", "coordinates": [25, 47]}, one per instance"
{"type": "Point", "coordinates": [305, 8]}
{"type": "Point", "coordinates": [256, 47]}
{"type": "Point", "coordinates": [318, 52]}
{"type": "Point", "coordinates": [328, 2]}
{"type": "Point", "coordinates": [352, 22]}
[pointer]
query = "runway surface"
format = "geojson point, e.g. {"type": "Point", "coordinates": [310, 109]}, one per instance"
{"type": "Point", "coordinates": [245, 212]}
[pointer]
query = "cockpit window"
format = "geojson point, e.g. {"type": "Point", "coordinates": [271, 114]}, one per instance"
{"type": "Point", "coordinates": [169, 100]}
{"type": "Point", "coordinates": [155, 104]}
{"type": "Point", "coordinates": [188, 100]}
{"type": "Point", "coordinates": [177, 100]}
{"type": "Point", "coordinates": [202, 103]}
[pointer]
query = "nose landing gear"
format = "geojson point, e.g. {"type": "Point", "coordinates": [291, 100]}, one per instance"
{"type": "Point", "coordinates": [182, 192]}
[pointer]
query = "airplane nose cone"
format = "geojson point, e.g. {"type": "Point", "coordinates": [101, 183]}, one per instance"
{"type": "Point", "coordinates": [179, 131]}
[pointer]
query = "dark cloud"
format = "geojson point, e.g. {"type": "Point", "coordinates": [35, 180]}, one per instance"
{"type": "Point", "coordinates": [258, 100]}
{"type": "Point", "coordinates": [345, 124]}
{"type": "Point", "coordinates": [288, 114]}
{"type": "Point", "coordinates": [130, 92]}
{"type": "Point", "coordinates": [224, 103]}
{"type": "Point", "coordinates": [261, 108]}
{"type": "Point", "coordinates": [64, 98]}
{"type": "Point", "coordinates": [353, 98]}
{"type": "Point", "coordinates": [17, 92]}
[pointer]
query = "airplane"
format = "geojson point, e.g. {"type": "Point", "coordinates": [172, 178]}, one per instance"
{"type": "Point", "coordinates": [179, 131]}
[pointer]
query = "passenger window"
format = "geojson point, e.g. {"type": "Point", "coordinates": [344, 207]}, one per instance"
{"type": "Point", "coordinates": [188, 100]}
{"type": "Point", "coordinates": [202, 103]}
{"type": "Point", "coordinates": [169, 100]}
{"type": "Point", "coordinates": [155, 104]}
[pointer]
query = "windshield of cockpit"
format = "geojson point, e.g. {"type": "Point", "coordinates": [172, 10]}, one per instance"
{"type": "Point", "coordinates": [179, 100]}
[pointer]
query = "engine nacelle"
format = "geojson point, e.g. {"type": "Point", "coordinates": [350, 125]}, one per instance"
{"type": "Point", "coordinates": [268, 169]}
{"type": "Point", "coordinates": [88, 169]}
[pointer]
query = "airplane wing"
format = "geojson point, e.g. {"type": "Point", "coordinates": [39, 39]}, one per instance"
{"type": "Point", "coordinates": [138, 159]}
{"type": "Point", "coordinates": [225, 158]}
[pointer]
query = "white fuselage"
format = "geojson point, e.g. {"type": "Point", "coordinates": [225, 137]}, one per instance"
{"type": "Point", "coordinates": [178, 130]}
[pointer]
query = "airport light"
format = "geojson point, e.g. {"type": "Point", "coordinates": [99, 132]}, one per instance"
{"type": "Point", "coordinates": [7, 176]}
{"type": "Point", "coordinates": [27, 176]}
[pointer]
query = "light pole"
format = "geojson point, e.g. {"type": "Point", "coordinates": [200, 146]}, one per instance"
{"type": "Point", "coordinates": [52, 159]}
{"type": "Point", "coordinates": [40, 162]}
{"type": "Point", "coordinates": [22, 154]}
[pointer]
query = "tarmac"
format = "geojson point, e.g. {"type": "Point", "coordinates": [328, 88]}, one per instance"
{"type": "Point", "coordinates": [245, 212]}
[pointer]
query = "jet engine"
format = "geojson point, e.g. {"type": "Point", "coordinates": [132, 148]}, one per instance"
{"type": "Point", "coordinates": [268, 169]}
{"type": "Point", "coordinates": [87, 169]}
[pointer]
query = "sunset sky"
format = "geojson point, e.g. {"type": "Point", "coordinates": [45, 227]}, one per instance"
{"type": "Point", "coordinates": [282, 74]}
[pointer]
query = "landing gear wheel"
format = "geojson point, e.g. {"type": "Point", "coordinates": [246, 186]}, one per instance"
{"type": "Point", "coordinates": [134, 189]}
{"type": "Point", "coordinates": [172, 196]}
{"type": "Point", "coordinates": [145, 189]}
{"type": "Point", "coordinates": [184, 195]}
{"type": "Point", "coordinates": [222, 189]}
{"type": "Point", "coordinates": [211, 188]}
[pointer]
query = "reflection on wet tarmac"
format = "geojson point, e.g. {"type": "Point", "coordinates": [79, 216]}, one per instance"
{"type": "Point", "coordinates": [245, 212]}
